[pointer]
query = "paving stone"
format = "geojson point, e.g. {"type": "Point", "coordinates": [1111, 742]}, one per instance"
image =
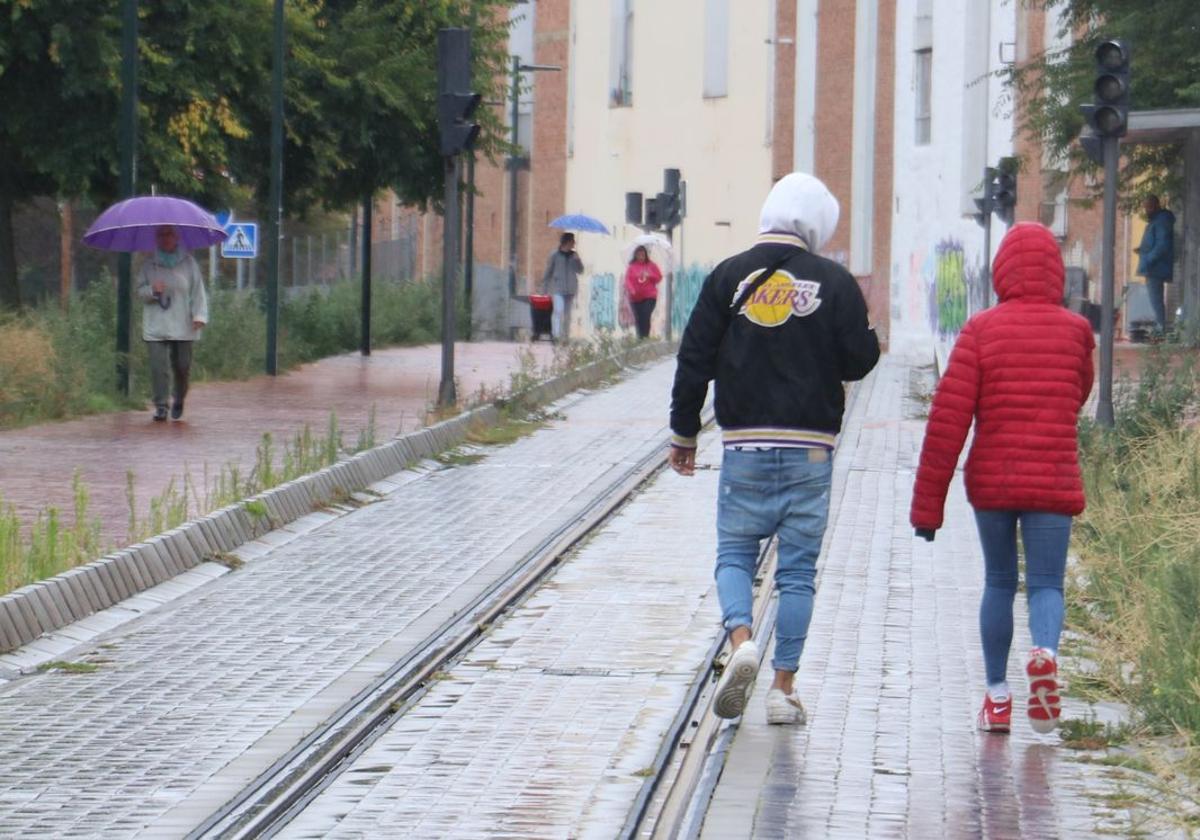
{"type": "Point", "coordinates": [892, 677]}
{"type": "Point", "coordinates": [197, 685]}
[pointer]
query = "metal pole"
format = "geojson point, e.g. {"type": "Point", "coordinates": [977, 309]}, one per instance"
{"type": "Point", "coordinates": [446, 393]}
{"type": "Point", "coordinates": [1104, 405]}
{"type": "Point", "coordinates": [367, 210]}
{"type": "Point", "coordinates": [274, 225]}
{"type": "Point", "coordinates": [127, 150]}
{"type": "Point", "coordinates": [515, 96]}
{"type": "Point", "coordinates": [469, 256]}
{"type": "Point", "coordinates": [988, 294]}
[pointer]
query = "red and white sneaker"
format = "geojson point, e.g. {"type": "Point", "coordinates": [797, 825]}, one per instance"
{"type": "Point", "coordinates": [1044, 702]}
{"type": "Point", "coordinates": [996, 715]}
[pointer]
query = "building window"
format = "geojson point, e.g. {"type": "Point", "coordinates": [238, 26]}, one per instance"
{"type": "Point", "coordinates": [923, 69]}
{"type": "Point", "coordinates": [716, 48]}
{"type": "Point", "coordinates": [620, 85]}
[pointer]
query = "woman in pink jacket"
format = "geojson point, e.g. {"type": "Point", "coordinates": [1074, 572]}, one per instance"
{"type": "Point", "coordinates": [641, 283]}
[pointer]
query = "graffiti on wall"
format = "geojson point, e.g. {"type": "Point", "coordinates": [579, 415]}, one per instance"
{"type": "Point", "coordinates": [685, 289]}
{"type": "Point", "coordinates": [940, 290]}
{"type": "Point", "coordinates": [602, 301]}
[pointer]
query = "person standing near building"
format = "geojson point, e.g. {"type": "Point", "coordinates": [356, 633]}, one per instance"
{"type": "Point", "coordinates": [560, 280]}
{"type": "Point", "coordinates": [175, 310]}
{"type": "Point", "coordinates": [1156, 257]}
{"type": "Point", "coordinates": [1020, 371]}
{"type": "Point", "coordinates": [641, 285]}
{"type": "Point", "coordinates": [778, 330]}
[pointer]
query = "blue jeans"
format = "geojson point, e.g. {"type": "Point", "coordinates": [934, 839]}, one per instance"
{"type": "Point", "coordinates": [1045, 537]}
{"type": "Point", "coordinates": [766, 492]}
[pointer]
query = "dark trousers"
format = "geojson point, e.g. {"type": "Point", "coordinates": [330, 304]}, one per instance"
{"type": "Point", "coordinates": [642, 310]}
{"type": "Point", "coordinates": [1158, 303]}
{"type": "Point", "coordinates": [167, 358]}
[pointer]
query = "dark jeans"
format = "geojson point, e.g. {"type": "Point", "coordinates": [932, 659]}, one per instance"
{"type": "Point", "coordinates": [1157, 294]}
{"type": "Point", "coordinates": [167, 358]}
{"type": "Point", "coordinates": [642, 310]}
{"type": "Point", "coordinates": [1046, 537]}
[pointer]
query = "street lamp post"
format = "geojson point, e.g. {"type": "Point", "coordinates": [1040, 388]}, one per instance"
{"type": "Point", "coordinates": [127, 151]}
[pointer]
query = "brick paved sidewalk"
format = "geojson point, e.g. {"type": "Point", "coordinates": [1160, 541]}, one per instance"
{"type": "Point", "coordinates": [892, 676]}
{"type": "Point", "coordinates": [193, 701]}
{"type": "Point", "coordinates": [225, 421]}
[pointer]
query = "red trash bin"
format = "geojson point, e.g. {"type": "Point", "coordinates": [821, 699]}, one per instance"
{"type": "Point", "coordinates": [540, 309]}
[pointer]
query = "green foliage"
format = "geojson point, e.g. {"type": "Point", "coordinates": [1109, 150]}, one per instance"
{"type": "Point", "coordinates": [69, 368]}
{"type": "Point", "coordinates": [360, 101]}
{"type": "Point", "coordinates": [1165, 74]}
{"type": "Point", "coordinates": [1139, 545]}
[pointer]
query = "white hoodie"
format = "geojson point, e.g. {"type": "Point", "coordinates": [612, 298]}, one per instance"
{"type": "Point", "coordinates": [800, 204]}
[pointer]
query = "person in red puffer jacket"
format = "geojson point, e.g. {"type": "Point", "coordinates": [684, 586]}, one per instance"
{"type": "Point", "coordinates": [1020, 371]}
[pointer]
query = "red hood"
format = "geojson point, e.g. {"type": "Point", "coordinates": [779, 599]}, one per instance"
{"type": "Point", "coordinates": [1029, 266]}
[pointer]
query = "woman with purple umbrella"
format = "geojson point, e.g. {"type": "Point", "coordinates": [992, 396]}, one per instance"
{"type": "Point", "coordinates": [176, 308]}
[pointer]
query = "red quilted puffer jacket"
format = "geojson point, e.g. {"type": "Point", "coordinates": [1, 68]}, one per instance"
{"type": "Point", "coordinates": [1021, 370]}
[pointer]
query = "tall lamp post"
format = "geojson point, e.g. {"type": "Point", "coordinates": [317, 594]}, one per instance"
{"type": "Point", "coordinates": [127, 151]}
{"type": "Point", "coordinates": [515, 162]}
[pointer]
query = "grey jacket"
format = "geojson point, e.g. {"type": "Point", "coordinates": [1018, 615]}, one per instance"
{"type": "Point", "coordinates": [561, 276]}
{"type": "Point", "coordinates": [169, 317]}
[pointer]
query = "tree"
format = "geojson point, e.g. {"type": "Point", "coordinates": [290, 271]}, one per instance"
{"type": "Point", "coordinates": [58, 59]}
{"type": "Point", "coordinates": [383, 107]}
{"type": "Point", "coordinates": [1166, 74]}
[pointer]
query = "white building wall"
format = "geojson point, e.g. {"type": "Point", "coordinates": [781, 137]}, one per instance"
{"type": "Point", "coordinates": [937, 247]}
{"type": "Point", "coordinates": [718, 143]}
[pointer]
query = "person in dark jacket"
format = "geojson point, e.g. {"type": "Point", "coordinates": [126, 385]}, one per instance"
{"type": "Point", "coordinates": [560, 280]}
{"type": "Point", "coordinates": [778, 329]}
{"type": "Point", "coordinates": [1156, 257]}
{"type": "Point", "coordinates": [1020, 371]}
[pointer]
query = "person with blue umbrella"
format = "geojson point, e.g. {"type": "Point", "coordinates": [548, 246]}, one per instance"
{"type": "Point", "coordinates": [560, 280]}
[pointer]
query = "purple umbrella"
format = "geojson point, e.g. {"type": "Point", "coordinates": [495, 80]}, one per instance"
{"type": "Point", "coordinates": [129, 225]}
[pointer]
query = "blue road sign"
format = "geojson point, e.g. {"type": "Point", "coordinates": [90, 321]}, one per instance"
{"type": "Point", "coordinates": [242, 242]}
{"type": "Point", "coordinates": [223, 217]}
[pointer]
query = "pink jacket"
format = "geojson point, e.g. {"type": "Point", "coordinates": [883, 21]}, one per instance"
{"type": "Point", "coordinates": [641, 281]}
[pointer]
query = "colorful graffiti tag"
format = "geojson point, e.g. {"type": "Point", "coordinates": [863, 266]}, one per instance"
{"type": "Point", "coordinates": [685, 289]}
{"type": "Point", "coordinates": [958, 290]}
{"type": "Point", "coordinates": [602, 301]}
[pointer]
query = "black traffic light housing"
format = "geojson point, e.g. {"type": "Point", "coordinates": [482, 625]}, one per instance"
{"type": "Point", "coordinates": [652, 219]}
{"type": "Point", "coordinates": [457, 103]}
{"type": "Point", "coordinates": [1108, 115]}
{"type": "Point", "coordinates": [986, 204]}
{"type": "Point", "coordinates": [1004, 190]}
{"type": "Point", "coordinates": [633, 208]}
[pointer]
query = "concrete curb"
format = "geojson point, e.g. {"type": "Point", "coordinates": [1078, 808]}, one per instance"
{"type": "Point", "coordinates": [48, 605]}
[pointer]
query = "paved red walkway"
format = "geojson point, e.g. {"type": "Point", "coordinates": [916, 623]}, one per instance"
{"type": "Point", "coordinates": [225, 421]}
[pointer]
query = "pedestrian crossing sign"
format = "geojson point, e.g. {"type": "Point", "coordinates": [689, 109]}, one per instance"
{"type": "Point", "coordinates": [242, 241]}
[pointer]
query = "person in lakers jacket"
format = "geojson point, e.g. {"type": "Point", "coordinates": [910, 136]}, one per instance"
{"type": "Point", "coordinates": [778, 329]}
{"type": "Point", "coordinates": [1020, 371]}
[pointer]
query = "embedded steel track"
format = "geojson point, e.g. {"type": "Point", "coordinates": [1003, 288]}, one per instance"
{"type": "Point", "coordinates": [273, 799]}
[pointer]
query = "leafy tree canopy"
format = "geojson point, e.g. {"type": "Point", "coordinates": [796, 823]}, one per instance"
{"type": "Point", "coordinates": [1165, 73]}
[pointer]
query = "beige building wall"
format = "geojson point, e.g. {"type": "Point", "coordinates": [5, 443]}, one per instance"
{"type": "Point", "coordinates": [722, 145]}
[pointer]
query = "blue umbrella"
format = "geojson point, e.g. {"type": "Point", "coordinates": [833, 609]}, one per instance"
{"type": "Point", "coordinates": [578, 221]}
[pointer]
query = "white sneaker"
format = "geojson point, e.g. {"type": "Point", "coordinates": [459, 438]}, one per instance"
{"type": "Point", "coordinates": [785, 708]}
{"type": "Point", "coordinates": [737, 681]}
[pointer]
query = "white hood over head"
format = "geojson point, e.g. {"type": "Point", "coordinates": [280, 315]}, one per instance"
{"type": "Point", "coordinates": [800, 204]}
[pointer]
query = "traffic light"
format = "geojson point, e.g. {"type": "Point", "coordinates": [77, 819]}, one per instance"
{"type": "Point", "coordinates": [1108, 115]}
{"type": "Point", "coordinates": [985, 204]}
{"type": "Point", "coordinates": [456, 102]}
{"type": "Point", "coordinates": [633, 208]}
{"type": "Point", "coordinates": [652, 219]}
{"type": "Point", "coordinates": [1004, 190]}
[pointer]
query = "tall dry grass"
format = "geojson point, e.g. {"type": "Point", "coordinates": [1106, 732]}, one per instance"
{"type": "Point", "coordinates": [1137, 585]}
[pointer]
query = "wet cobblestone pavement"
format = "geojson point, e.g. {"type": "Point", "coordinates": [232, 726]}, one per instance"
{"type": "Point", "coordinates": [892, 677]}
{"type": "Point", "coordinates": [546, 729]}
{"type": "Point", "coordinates": [192, 702]}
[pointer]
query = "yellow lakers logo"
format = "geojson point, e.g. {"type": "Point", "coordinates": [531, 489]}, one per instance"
{"type": "Point", "coordinates": [779, 298]}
